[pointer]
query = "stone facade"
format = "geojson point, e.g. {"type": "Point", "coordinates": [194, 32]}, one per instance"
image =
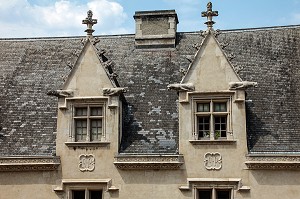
{"type": "Point", "coordinates": [119, 117]}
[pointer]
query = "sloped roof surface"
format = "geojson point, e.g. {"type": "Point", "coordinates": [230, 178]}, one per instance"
{"type": "Point", "coordinates": [29, 68]}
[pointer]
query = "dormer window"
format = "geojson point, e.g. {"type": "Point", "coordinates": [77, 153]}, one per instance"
{"type": "Point", "coordinates": [88, 122]}
{"type": "Point", "coordinates": [212, 118]}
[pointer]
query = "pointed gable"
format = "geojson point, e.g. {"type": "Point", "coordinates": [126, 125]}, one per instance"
{"type": "Point", "coordinates": [210, 70]}
{"type": "Point", "coordinates": [89, 75]}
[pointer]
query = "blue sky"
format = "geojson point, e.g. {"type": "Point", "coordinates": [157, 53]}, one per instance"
{"type": "Point", "coordinates": [47, 18]}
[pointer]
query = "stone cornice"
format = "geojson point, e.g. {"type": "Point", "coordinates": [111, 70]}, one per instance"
{"type": "Point", "coordinates": [29, 163]}
{"type": "Point", "coordinates": [273, 162]}
{"type": "Point", "coordinates": [148, 161]}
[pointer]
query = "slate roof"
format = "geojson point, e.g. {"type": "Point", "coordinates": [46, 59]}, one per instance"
{"type": "Point", "coordinates": [29, 68]}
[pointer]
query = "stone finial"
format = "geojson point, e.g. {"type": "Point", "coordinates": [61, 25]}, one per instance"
{"type": "Point", "coordinates": [209, 14]}
{"type": "Point", "coordinates": [89, 21]}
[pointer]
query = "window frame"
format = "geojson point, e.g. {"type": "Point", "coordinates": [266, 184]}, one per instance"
{"type": "Point", "coordinates": [88, 118]}
{"type": "Point", "coordinates": [211, 114]}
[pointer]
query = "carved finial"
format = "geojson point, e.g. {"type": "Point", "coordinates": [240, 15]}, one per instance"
{"type": "Point", "coordinates": [209, 14]}
{"type": "Point", "coordinates": [89, 21]}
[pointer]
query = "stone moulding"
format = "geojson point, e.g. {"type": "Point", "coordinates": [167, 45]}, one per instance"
{"type": "Point", "coordinates": [148, 161]}
{"type": "Point", "coordinates": [105, 183]}
{"type": "Point", "coordinates": [273, 162]}
{"type": "Point", "coordinates": [29, 163]}
{"type": "Point", "coordinates": [236, 183]}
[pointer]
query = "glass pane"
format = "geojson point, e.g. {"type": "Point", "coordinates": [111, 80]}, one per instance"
{"type": "Point", "coordinates": [78, 194]}
{"type": "Point", "coordinates": [96, 129]}
{"type": "Point", "coordinates": [220, 107]}
{"type": "Point", "coordinates": [81, 111]}
{"type": "Point", "coordinates": [203, 127]}
{"type": "Point", "coordinates": [80, 130]}
{"type": "Point", "coordinates": [223, 194]}
{"type": "Point", "coordinates": [203, 107]}
{"type": "Point", "coordinates": [205, 194]}
{"type": "Point", "coordinates": [95, 194]}
{"type": "Point", "coordinates": [96, 111]}
{"type": "Point", "coordinates": [220, 126]}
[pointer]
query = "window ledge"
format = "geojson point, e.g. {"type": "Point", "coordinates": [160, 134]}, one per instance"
{"type": "Point", "coordinates": [87, 144]}
{"type": "Point", "coordinates": [148, 161]}
{"type": "Point", "coordinates": [212, 142]}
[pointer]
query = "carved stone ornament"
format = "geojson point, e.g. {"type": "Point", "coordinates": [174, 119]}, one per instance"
{"type": "Point", "coordinates": [148, 161]}
{"type": "Point", "coordinates": [241, 85]}
{"type": "Point", "coordinates": [181, 87]}
{"type": "Point", "coordinates": [113, 91]}
{"type": "Point", "coordinates": [213, 161]}
{"type": "Point", "coordinates": [86, 162]}
{"type": "Point", "coordinates": [29, 163]}
{"type": "Point", "coordinates": [278, 162]}
{"type": "Point", "coordinates": [61, 93]}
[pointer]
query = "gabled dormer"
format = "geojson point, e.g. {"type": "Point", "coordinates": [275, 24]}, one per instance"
{"type": "Point", "coordinates": [89, 100]}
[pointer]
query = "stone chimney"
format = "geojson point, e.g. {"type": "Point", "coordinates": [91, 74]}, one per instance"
{"type": "Point", "coordinates": [155, 29]}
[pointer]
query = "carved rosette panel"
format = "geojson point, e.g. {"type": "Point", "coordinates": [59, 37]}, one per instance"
{"type": "Point", "coordinates": [213, 161]}
{"type": "Point", "coordinates": [86, 162]}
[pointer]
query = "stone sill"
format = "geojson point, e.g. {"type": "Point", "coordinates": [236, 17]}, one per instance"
{"type": "Point", "coordinates": [212, 142]}
{"type": "Point", "coordinates": [87, 144]}
{"type": "Point", "coordinates": [29, 163]}
{"type": "Point", "coordinates": [148, 161]}
{"type": "Point", "coordinates": [273, 161]}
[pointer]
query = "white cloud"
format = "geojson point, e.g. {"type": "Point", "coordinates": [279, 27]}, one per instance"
{"type": "Point", "coordinates": [61, 18]}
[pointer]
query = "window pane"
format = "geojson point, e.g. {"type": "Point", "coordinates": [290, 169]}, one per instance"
{"type": "Point", "coordinates": [96, 111]}
{"type": "Point", "coordinates": [96, 129]}
{"type": "Point", "coordinates": [95, 194]}
{"type": "Point", "coordinates": [80, 130]}
{"type": "Point", "coordinates": [81, 111]}
{"type": "Point", "coordinates": [223, 194]}
{"type": "Point", "coordinates": [220, 107]}
{"type": "Point", "coordinates": [205, 194]}
{"type": "Point", "coordinates": [203, 107]}
{"type": "Point", "coordinates": [220, 126]}
{"type": "Point", "coordinates": [78, 194]}
{"type": "Point", "coordinates": [203, 127]}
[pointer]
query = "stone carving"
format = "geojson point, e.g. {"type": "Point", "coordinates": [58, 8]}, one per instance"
{"type": "Point", "coordinates": [213, 161]}
{"type": "Point", "coordinates": [183, 71]}
{"type": "Point", "coordinates": [181, 87]}
{"type": "Point", "coordinates": [113, 91]}
{"type": "Point", "coordinates": [61, 93]}
{"type": "Point", "coordinates": [95, 40]}
{"type": "Point", "coordinates": [224, 45]}
{"type": "Point", "coordinates": [29, 164]}
{"type": "Point", "coordinates": [197, 45]}
{"type": "Point", "coordinates": [241, 85]}
{"type": "Point", "coordinates": [86, 162]}
{"type": "Point", "coordinates": [230, 56]}
{"type": "Point", "coordinates": [209, 14]}
{"type": "Point", "coordinates": [273, 162]}
{"type": "Point", "coordinates": [89, 21]}
{"type": "Point", "coordinates": [149, 162]}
